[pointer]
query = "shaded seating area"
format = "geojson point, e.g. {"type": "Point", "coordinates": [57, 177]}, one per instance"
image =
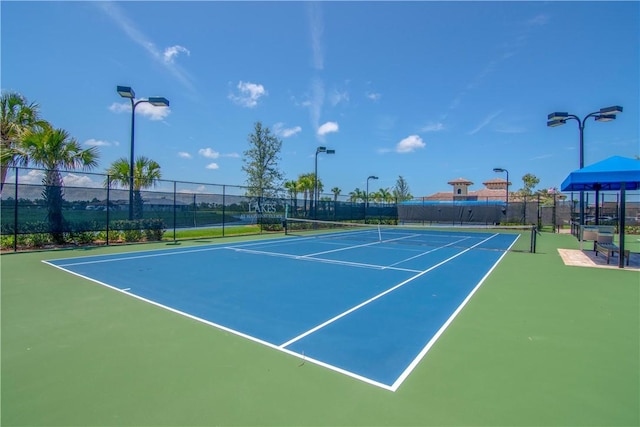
{"type": "Point", "coordinates": [613, 174]}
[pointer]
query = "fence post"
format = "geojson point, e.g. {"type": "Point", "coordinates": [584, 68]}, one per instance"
{"type": "Point", "coordinates": [15, 215]}
{"type": "Point", "coordinates": [224, 204]}
{"type": "Point", "coordinates": [174, 211]}
{"type": "Point", "coordinates": [108, 209]}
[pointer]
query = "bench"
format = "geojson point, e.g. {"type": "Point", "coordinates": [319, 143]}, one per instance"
{"type": "Point", "coordinates": [609, 249]}
{"type": "Point", "coordinates": [597, 234]}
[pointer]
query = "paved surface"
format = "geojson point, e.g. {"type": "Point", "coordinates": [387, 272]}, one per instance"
{"type": "Point", "coordinates": [587, 258]}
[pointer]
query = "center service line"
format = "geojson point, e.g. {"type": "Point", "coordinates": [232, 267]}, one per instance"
{"type": "Point", "coordinates": [380, 295]}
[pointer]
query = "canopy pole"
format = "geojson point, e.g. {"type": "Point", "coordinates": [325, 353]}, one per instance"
{"type": "Point", "coordinates": [622, 225]}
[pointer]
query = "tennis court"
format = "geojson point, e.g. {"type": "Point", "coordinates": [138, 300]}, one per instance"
{"type": "Point", "coordinates": [366, 302]}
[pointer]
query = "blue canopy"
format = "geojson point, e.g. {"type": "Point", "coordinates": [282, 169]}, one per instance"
{"type": "Point", "coordinates": [607, 174]}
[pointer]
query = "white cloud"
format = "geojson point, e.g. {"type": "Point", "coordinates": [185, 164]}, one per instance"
{"type": "Point", "coordinates": [152, 112]}
{"type": "Point", "coordinates": [328, 127]}
{"type": "Point", "coordinates": [538, 20]}
{"type": "Point", "coordinates": [121, 19]}
{"type": "Point", "coordinates": [172, 52]}
{"type": "Point", "coordinates": [98, 143]}
{"type": "Point", "coordinates": [410, 144]}
{"type": "Point", "coordinates": [184, 155]}
{"type": "Point", "coordinates": [337, 97]}
{"type": "Point", "coordinates": [373, 96]}
{"type": "Point", "coordinates": [317, 28]}
{"type": "Point", "coordinates": [33, 177]}
{"type": "Point", "coordinates": [433, 127]}
{"type": "Point", "coordinates": [144, 109]}
{"type": "Point", "coordinates": [208, 153]}
{"type": "Point", "coordinates": [232, 155]}
{"type": "Point", "coordinates": [248, 94]}
{"type": "Point", "coordinates": [316, 101]}
{"type": "Point", "coordinates": [213, 166]}
{"type": "Point", "coordinates": [73, 180]}
{"type": "Point", "coordinates": [485, 122]}
{"type": "Point", "coordinates": [283, 132]}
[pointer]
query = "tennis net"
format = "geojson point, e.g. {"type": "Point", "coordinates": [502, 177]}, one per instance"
{"type": "Point", "coordinates": [491, 237]}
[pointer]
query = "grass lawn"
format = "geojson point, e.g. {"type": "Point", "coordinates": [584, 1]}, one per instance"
{"type": "Point", "coordinates": [539, 344]}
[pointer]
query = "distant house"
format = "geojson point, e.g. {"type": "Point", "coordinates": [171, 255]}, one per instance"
{"type": "Point", "coordinates": [495, 190]}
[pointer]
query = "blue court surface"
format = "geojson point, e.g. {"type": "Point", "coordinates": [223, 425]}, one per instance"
{"type": "Point", "coordinates": [369, 308]}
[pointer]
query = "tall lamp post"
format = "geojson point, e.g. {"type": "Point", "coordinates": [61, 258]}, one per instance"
{"type": "Point", "coordinates": [506, 209]}
{"type": "Point", "coordinates": [157, 101]}
{"type": "Point", "coordinates": [315, 179]}
{"type": "Point", "coordinates": [605, 114]}
{"type": "Point", "coordinates": [366, 205]}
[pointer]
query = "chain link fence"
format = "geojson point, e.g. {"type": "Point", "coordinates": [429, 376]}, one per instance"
{"type": "Point", "coordinates": [90, 207]}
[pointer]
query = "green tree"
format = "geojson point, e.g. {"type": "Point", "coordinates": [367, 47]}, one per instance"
{"type": "Point", "coordinates": [294, 188]}
{"type": "Point", "coordinates": [336, 192]}
{"type": "Point", "coordinates": [401, 191]}
{"type": "Point", "coordinates": [146, 173]}
{"type": "Point", "coordinates": [18, 117]}
{"type": "Point", "coordinates": [306, 184]}
{"type": "Point", "coordinates": [384, 195]}
{"type": "Point", "coordinates": [54, 150]}
{"type": "Point", "coordinates": [261, 163]}
{"type": "Point", "coordinates": [357, 194]}
{"type": "Point", "coordinates": [530, 181]}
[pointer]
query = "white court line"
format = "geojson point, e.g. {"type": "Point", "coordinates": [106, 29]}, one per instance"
{"type": "Point", "coordinates": [380, 295]}
{"type": "Point", "coordinates": [230, 330]}
{"type": "Point", "coordinates": [360, 246]}
{"type": "Point", "coordinates": [445, 325]}
{"type": "Point", "coordinates": [124, 258]}
{"type": "Point", "coordinates": [323, 260]}
{"type": "Point", "coordinates": [427, 252]}
{"type": "Point", "coordinates": [281, 348]}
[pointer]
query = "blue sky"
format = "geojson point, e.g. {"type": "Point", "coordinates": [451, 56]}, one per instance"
{"type": "Point", "coordinates": [432, 91]}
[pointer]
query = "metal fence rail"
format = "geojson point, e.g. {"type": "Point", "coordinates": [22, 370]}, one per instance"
{"type": "Point", "coordinates": [90, 203]}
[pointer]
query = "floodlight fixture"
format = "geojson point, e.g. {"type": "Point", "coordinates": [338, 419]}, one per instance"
{"type": "Point", "coordinates": [126, 92]}
{"type": "Point", "coordinates": [158, 101]}
{"type": "Point", "coordinates": [554, 123]}
{"type": "Point", "coordinates": [611, 110]}
{"type": "Point", "coordinates": [605, 117]}
{"type": "Point", "coordinates": [557, 116]}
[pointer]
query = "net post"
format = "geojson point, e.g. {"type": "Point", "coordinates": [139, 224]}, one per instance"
{"type": "Point", "coordinates": [534, 233]}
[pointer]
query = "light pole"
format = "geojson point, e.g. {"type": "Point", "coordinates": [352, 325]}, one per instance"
{"type": "Point", "coordinates": [366, 205]}
{"type": "Point", "coordinates": [506, 209]}
{"type": "Point", "coordinates": [315, 179]}
{"type": "Point", "coordinates": [157, 101]}
{"type": "Point", "coordinates": [605, 114]}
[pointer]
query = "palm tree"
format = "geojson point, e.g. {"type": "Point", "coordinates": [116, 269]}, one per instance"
{"type": "Point", "coordinates": [306, 184]}
{"type": "Point", "coordinates": [17, 118]}
{"type": "Point", "coordinates": [294, 189]}
{"type": "Point", "coordinates": [54, 150]}
{"type": "Point", "coordinates": [146, 173]}
{"type": "Point", "coordinates": [336, 192]}
{"type": "Point", "coordinates": [356, 195]}
{"type": "Point", "coordinates": [384, 195]}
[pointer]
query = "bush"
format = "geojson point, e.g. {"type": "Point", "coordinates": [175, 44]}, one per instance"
{"type": "Point", "coordinates": [153, 229]}
{"type": "Point", "coordinates": [82, 237]}
{"type": "Point", "coordinates": [132, 235]}
{"type": "Point", "coordinates": [38, 240]}
{"type": "Point", "coordinates": [6, 242]}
